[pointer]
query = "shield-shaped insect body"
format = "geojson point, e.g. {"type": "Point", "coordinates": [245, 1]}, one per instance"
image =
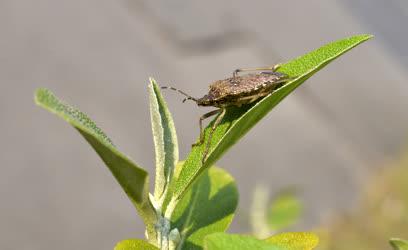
{"type": "Point", "coordinates": [235, 91]}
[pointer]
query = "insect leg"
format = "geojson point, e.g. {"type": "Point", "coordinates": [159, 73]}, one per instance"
{"type": "Point", "coordinates": [203, 117]}
{"type": "Point", "coordinates": [214, 126]}
{"type": "Point", "coordinates": [188, 97]}
{"type": "Point", "coordinates": [271, 68]}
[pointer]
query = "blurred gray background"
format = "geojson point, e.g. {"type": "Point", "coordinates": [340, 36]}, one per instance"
{"type": "Point", "coordinates": [342, 124]}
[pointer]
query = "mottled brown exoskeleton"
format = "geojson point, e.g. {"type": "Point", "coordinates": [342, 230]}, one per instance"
{"type": "Point", "coordinates": [235, 91]}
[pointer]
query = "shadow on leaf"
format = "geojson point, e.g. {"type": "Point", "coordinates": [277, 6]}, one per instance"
{"type": "Point", "coordinates": [208, 207]}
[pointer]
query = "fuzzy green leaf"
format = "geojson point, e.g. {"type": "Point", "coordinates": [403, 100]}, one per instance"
{"type": "Point", "coordinates": [165, 140]}
{"type": "Point", "coordinates": [238, 121]}
{"type": "Point", "coordinates": [134, 244]}
{"type": "Point", "coordinates": [208, 207]}
{"type": "Point", "coordinates": [399, 244]}
{"type": "Point", "coordinates": [295, 241]}
{"type": "Point", "coordinates": [284, 211]}
{"type": "Point", "coordinates": [223, 241]}
{"type": "Point", "coordinates": [133, 179]}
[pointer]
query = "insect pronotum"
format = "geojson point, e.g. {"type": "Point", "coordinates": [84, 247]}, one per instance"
{"type": "Point", "coordinates": [234, 91]}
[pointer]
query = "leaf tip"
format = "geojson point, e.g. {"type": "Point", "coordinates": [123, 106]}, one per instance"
{"type": "Point", "coordinates": [152, 80]}
{"type": "Point", "coordinates": [39, 95]}
{"type": "Point", "coordinates": [362, 37]}
{"type": "Point", "coordinates": [43, 97]}
{"type": "Point", "coordinates": [153, 86]}
{"type": "Point", "coordinates": [367, 36]}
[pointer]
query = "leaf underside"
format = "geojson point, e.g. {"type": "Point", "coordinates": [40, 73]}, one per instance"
{"type": "Point", "coordinates": [165, 139]}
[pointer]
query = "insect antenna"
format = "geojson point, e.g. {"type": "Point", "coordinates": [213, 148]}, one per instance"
{"type": "Point", "coordinates": [188, 97]}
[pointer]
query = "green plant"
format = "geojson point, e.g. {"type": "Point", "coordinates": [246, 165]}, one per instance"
{"type": "Point", "coordinates": [267, 218]}
{"type": "Point", "coordinates": [399, 244]}
{"type": "Point", "coordinates": [193, 203]}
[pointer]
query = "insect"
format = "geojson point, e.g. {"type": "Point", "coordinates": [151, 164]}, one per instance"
{"type": "Point", "coordinates": [235, 91]}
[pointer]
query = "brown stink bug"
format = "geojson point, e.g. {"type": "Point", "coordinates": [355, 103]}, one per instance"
{"type": "Point", "coordinates": [235, 91]}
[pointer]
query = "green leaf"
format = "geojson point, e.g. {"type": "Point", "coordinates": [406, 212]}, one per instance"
{"type": "Point", "coordinates": [284, 211]}
{"type": "Point", "coordinates": [399, 244]}
{"type": "Point", "coordinates": [165, 140]}
{"type": "Point", "coordinates": [134, 244]}
{"type": "Point", "coordinates": [295, 241]}
{"type": "Point", "coordinates": [133, 179]}
{"type": "Point", "coordinates": [223, 241]}
{"type": "Point", "coordinates": [207, 207]}
{"type": "Point", "coordinates": [238, 121]}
